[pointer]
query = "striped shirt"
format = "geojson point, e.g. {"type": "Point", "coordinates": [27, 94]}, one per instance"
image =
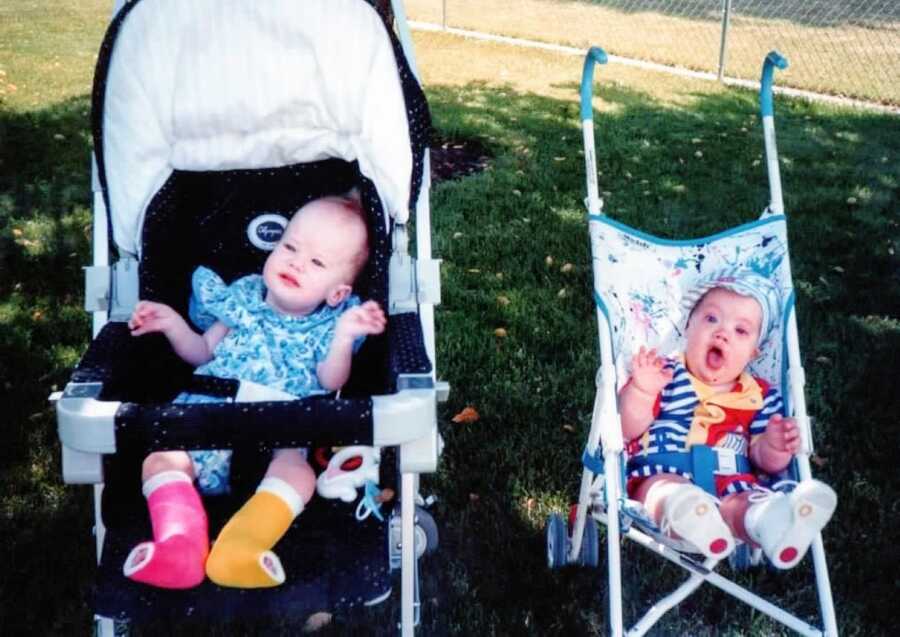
{"type": "Point", "coordinates": [688, 412]}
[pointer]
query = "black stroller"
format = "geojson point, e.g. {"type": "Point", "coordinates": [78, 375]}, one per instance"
{"type": "Point", "coordinates": [213, 121]}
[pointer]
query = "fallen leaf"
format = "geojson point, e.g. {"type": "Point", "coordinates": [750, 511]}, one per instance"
{"type": "Point", "coordinates": [698, 154]}
{"type": "Point", "coordinates": [16, 232]}
{"type": "Point", "coordinates": [500, 332]}
{"type": "Point", "coordinates": [473, 271]}
{"type": "Point", "coordinates": [548, 260]}
{"type": "Point", "coordinates": [567, 267]}
{"type": "Point", "coordinates": [503, 301]}
{"type": "Point", "coordinates": [561, 294]}
{"type": "Point", "coordinates": [457, 235]}
{"type": "Point", "coordinates": [474, 497]}
{"type": "Point", "coordinates": [824, 360]}
{"type": "Point", "coordinates": [37, 315]}
{"type": "Point", "coordinates": [466, 416]}
{"type": "Point", "coordinates": [569, 428]}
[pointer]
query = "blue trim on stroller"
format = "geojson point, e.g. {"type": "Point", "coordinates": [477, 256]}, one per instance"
{"type": "Point", "coordinates": [788, 310]}
{"type": "Point", "coordinates": [595, 55]}
{"type": "Point", "coordinates": [686, 242]}
{"type": "Point", "coordinates": [773, 59]}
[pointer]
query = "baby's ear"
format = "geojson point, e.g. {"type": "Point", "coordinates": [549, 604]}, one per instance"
{"type": "Point", "coordinates": [338, 294]}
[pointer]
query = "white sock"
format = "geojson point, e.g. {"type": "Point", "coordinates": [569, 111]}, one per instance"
{"type": "Point", "coordinates": [154, 482]}
{"type": "Point", "coordinates": [280, 488]}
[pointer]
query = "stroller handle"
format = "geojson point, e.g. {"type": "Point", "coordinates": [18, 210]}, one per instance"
{"type": "Point", "coordinates": [595, 55]}
{"type": "Point", "coordinates": [773, 59]}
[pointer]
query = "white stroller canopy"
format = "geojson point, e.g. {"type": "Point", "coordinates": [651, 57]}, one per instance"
{"type": "Point", "coordinates": [211, 85]}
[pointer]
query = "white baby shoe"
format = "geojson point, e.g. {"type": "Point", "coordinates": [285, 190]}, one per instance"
{"type": "Point", "coordinates": [784, 524]}
{"type": "Point", "coordinates": [691, 514]}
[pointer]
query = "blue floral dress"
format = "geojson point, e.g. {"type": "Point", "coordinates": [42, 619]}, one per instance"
{"type": "Point", "coordinates": [262, 345]}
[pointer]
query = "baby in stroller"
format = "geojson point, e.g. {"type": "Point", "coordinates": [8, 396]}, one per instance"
{"type": "Point", "coordinates": [293, 330]}
{"type": "Point", "coordinates": [707, 397]}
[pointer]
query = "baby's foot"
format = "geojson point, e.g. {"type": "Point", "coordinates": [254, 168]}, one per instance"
{"type": "Point", "coordinates": [785, 524]}
{"type": "Point", "coordinates": [693, 515]}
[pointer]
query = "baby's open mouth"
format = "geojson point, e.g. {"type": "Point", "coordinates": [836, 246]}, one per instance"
{"type": "Point", "coordinates": [715, 358]}
{"type": "Point", "coordinates": [288, 280]}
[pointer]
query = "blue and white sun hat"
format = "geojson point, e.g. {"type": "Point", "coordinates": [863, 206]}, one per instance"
{"type": "Point", "coordinates": [745, 282]}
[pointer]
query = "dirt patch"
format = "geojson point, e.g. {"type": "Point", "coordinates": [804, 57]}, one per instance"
{"type": "Point", "coordinates": [455, 159]}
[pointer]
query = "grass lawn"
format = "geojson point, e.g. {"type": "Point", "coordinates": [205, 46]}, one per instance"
{"type": "Point", "coordinates": [677, 158]}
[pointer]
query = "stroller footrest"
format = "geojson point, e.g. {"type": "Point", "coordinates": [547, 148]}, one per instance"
{"type": "Point", "coordinates": [332, 562]}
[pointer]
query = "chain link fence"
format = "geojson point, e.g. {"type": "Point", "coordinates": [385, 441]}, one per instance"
{"type": "Point", "coordinates": [848, 48]}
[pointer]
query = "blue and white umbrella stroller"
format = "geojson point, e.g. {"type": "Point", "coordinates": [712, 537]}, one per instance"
{"type": "Point", "coordinates": [640, 283]}
{"type": "Point", "coordinates": [213, 121]}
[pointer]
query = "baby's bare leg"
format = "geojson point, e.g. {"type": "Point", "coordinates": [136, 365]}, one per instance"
{"type": "Point", "coordinates": [290, 465]}
{"type": "Point", "coordinates": [160, 461]}
{"type": "Point", "coordinates": [242, 555]}
{"type": "Point", "coordinates": [733, 509]}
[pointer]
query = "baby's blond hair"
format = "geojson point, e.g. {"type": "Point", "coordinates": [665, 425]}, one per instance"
{"type": "Point", "coordinates": [349, 209]}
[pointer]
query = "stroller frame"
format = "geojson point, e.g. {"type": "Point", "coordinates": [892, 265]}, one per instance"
{"type": "Point", "coordinates": [601, 493]}
{"type": "Point", "coordinates": [406, 419]}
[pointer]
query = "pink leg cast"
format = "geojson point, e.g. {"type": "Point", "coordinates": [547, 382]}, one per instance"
{"type": "Point", "coordinates": [177, 555]}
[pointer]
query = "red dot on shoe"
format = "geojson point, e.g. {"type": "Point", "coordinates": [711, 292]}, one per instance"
{"type": "Point", "coordinates": [788, 554]}
{"type": "Point", "coordinates": [717, 546]}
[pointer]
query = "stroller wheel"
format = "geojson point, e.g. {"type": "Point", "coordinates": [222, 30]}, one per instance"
{"type": "Point", "coordinates": [426, 533]}
{"type": "Point", "coordinates": [590, 545]}
{"type": "Point", "coordinates": [557, 541]}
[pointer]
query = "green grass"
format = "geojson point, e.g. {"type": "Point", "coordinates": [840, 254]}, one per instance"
{"type": "Point", "coordinates": [500, 476]}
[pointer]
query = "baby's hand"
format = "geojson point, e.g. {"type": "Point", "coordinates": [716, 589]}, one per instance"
{"type": "Point", "coordinates": [152, 317]}
{"type": "Point", "coordinates": [648, 373]}
{"type": "Point", "coordinates": [362, 320]}
{"type": "Point", "coordinates": [782, 434]}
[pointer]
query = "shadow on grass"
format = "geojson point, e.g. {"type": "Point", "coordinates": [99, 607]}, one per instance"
{"type": "Point", "coordinates": [44, 198]}
{"type": "Point", "coordinates": [515, 250]}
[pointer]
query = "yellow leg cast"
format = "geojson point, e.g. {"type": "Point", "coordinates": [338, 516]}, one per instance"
{"type": "Point", "coordinates": [241, 556]}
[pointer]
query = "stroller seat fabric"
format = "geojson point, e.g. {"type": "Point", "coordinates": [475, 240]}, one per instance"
{"type": "Point", "coordinates": [642, 283]}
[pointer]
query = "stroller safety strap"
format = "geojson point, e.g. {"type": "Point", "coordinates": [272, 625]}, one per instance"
{"type": "Point", "coordinates": [702, 464]}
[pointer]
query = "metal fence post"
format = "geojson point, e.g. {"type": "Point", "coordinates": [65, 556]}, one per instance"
{"type": "Point", "coordinates": [723, 46]}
